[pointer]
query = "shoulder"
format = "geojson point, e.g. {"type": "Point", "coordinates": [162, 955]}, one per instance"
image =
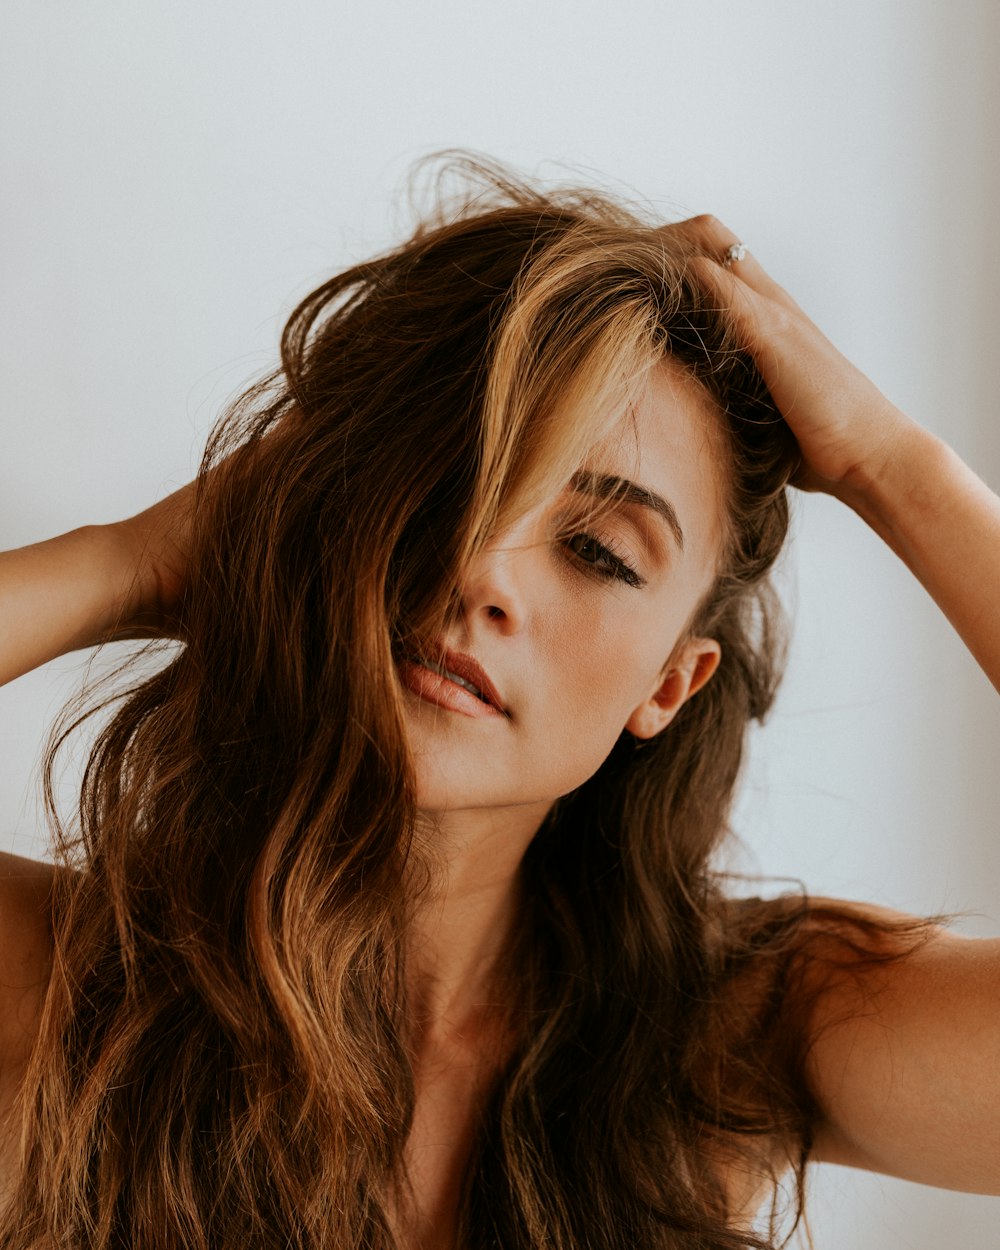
{"type": "Point", "coordinates": [25, 950]}
{"type": "Point", "coordinates": [904, 1058]}
{"type": "Point", "coordinates": [876, 1033]}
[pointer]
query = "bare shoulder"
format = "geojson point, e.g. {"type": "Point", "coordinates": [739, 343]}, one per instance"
{"type": "Point", "coordinates": [883, 1028]}
{"type": "Point", "coordinates": [25, 949]}
{"type": "Point", "coordinates": [904, 1057]}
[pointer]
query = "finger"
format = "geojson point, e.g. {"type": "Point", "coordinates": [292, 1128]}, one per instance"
{"type": "Point", "coordinates": [738, 298]}
{"type": "Point", "coordinates": [765, 328]}
{"type": "Point", "coordinates": [714, 240]}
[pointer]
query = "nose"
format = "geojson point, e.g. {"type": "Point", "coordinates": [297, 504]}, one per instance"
{"type": "Point", "coordinates": [503, 582]}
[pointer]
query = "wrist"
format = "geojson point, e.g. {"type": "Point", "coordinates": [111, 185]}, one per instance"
{"type": "Point", "coordinates": [101, 582]}
{"type": "Point", "coordinates": [904, 466]}
{"type": "Point", "coordinates": [130, 596]}
{"type": "Point", "coordinates": [912, 490]}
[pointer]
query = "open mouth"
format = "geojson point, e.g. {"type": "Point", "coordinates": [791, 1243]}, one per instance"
{"type": "Point", "coordinates": [459, 681]}
{"type": "Point", "coordinates": [437, 683]}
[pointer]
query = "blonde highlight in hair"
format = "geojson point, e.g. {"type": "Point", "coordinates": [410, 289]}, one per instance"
{"type": "Point", "coordinates": [223, 1055]}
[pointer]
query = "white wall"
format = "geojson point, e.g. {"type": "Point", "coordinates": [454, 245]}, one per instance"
{"type": "Point", "coordinates": [175, 175]}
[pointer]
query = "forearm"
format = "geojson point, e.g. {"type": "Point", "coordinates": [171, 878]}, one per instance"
{"type": "Point", "coordinates": [944, 522]}
{"type": "Point", "coordinates": [57, 596]}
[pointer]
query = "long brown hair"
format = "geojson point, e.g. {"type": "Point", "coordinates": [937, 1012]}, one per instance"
{"type": "Point", "coordinates": [222, 1059]}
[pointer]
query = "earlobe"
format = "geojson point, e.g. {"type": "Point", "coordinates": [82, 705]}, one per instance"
{"type": "Point", "coordinates": [695, 665]}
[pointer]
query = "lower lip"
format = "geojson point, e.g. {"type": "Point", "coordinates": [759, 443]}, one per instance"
{"type": "Point", "coordinates": [436, 688]}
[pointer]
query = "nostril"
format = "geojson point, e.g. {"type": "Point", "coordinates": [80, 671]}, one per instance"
{"type": "Point", "coordinates": [495, 611]}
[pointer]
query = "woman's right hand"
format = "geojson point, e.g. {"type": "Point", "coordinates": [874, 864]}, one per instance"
{"type": "Point", "coordinates": [154, 547]}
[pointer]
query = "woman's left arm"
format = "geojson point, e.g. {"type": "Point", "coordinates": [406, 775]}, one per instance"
{"type": "Point", "coordinates": [944, 522]}
{"type": "Point", "coordinates": [908, 485]}
{"type": "Point", "coordinates": [904, 1057]}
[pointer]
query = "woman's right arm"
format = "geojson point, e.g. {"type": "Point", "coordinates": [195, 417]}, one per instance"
{"type": "Point", "coordinates": [99, 583]}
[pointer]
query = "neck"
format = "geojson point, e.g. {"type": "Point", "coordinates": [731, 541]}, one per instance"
{"type": "Point", "coordinates": [466, 917]}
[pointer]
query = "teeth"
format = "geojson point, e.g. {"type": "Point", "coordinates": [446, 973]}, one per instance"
{"type": "Point", "coordinates": [459, 681]}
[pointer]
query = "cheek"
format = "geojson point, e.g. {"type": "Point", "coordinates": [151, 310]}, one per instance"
{"type": "Point", "coordinates": [588, 708]}
{"type": "Point", "coordinates": [608, 662]}
{"type": "Point", "coordinates": [598, 695]}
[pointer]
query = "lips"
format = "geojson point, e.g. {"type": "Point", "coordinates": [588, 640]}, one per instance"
{"type": "Point", "coordinates": [446, 662]}
{"type": "Point", "coordinates": [452, 676]}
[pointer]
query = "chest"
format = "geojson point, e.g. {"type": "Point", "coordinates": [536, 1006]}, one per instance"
{"type": "Point", "coordinates": [451, 1093]}
{"type": "Point", "coordinates": [450, 1101]}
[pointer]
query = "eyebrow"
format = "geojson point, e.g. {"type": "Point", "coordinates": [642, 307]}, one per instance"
{"type": "Point", "coordinates": [608, 486]}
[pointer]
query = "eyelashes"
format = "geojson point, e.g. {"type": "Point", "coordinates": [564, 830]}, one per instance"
{"type": "Point", "coordinates": [602, 559]}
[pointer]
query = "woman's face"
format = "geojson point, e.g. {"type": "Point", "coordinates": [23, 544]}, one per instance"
{"type": "Point", "coordinates": [573, 626]}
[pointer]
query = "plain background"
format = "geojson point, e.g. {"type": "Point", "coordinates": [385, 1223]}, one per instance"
{"type": "Point", "coordinates": [175, 175]}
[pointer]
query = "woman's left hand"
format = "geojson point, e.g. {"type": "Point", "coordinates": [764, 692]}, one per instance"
{"type": "Point", "coordinates": [846, 429]}
{"type": "Point", "coordinates": [909, 486]}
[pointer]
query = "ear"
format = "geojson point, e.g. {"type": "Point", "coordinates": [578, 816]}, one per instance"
{"type": "Point", "coordinates": [697, 661]}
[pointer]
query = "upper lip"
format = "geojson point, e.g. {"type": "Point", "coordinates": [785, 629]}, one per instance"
{"type": "Point", "coordinates": [464, 666]}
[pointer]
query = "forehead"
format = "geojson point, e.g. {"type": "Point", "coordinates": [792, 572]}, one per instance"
{"type": "Point", "coordinates": [671, 441]}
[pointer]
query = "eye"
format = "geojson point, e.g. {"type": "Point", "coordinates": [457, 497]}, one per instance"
{"type": "Point", "coordinates": [603, 559]}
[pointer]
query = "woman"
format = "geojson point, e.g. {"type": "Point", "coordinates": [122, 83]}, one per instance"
{"type": "Point", "coordinates": [390, 919]}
